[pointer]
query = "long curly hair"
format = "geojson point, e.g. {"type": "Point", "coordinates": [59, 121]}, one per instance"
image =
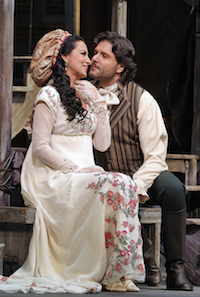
{"type": "Point", "coordinates": [70, 101]}
{"type": "Point", "coordinates": [124, 52]}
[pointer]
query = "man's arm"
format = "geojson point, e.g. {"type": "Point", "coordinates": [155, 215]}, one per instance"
{"type": "Point", "coordinates": [153, 141]}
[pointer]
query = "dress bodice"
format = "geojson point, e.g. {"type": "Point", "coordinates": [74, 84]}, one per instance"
{"type": "Point", "coordinates": [71, 140]}
{"type": "Point", "coordinates": [62, 126]}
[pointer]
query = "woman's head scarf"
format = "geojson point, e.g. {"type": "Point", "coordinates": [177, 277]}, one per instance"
{"type": "Point", "coordinates": [45, 55]}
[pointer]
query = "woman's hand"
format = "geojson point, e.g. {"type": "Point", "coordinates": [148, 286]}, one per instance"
{"type": "Point", "coordinates": [85, 87]}
{"type": "Point", "coordinates": [89, 169]}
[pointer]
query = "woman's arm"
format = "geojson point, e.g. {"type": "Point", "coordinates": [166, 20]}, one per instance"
{"type": "Point", "coordinates": [153, 141]}
{"type": "Point", "coordinates": [102, 136]}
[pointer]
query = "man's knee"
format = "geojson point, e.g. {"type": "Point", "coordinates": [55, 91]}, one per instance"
{"type": "Point", "coordinates": [168, 191]}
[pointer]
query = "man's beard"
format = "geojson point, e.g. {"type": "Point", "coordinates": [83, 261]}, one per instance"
{"type": "Point", "coordinates": [99, 76]}
{"type": "Point", "coordinates": [94, 75]}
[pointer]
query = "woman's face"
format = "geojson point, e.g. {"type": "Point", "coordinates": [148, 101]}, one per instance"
{"type": "Point", "coordinates": [78, 62]}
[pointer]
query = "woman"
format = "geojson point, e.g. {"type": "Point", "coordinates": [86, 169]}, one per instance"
{"type": "Point", "coordinates": [86, 231]}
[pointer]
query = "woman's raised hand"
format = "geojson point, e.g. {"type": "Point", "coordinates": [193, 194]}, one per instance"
{"type": "Point", "coordinates": [87, 88]}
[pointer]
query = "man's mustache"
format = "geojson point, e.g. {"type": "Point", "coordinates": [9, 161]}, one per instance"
{"type": "Point", "coordinates": [95, 65]}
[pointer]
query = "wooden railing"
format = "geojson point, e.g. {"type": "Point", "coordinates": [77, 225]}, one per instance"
{"type": "Point", "coordinates": [188, 165]}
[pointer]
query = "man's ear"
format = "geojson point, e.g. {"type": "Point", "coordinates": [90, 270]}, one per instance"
{"type": "Point", "coordinates": [120, 68]}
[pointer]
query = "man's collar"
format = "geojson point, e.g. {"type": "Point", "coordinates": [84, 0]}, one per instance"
{"type": "Point", "coordinates": [98, 84]}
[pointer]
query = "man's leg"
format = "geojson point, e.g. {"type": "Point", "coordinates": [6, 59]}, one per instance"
{"type": "Point", "coordinates": [153, 274]}
{"type": "Point", "coordinates": [168, 191]}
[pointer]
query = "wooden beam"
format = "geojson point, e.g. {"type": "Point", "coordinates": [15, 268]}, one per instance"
{"type": "Point", "coordinates": [77, 9]}
{"type": "Point", "coordinates": [72, 16]}
{"type": "Point", "coordinates": [17, 215]}
{"type": "Point", "coordinates": [6, 78]}
{"type": "Point", "coordinates": [119, 17]}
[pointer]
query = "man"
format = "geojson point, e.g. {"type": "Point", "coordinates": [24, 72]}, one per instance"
{"type": "Point", "coordinates": [138, 148]}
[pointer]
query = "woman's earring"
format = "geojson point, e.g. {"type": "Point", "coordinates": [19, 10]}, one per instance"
{"type": "Point", "coordinates": [66, 64]}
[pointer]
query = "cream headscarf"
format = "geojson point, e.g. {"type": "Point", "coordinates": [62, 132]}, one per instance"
{"type": "Point", "coordinates": [45, 55]}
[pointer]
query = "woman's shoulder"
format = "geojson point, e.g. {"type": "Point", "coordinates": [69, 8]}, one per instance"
{"type": "Point", "coordinates": [47, 92]}
{"type": "Point", "coordinates": [50, 96]}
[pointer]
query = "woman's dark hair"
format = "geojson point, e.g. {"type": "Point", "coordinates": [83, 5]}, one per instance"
{"type": "Point", "coordinates": [124, 52]}
{"type": "Point", "coordinates": [72, 104]}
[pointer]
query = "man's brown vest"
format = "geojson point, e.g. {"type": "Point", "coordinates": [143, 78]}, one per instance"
{"type": "Point", "coordinates": [124, 155]}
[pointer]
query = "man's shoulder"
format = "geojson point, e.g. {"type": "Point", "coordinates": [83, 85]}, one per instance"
{"type": "Point", "coordinates": [131, 85]}
{"type": "Point", "coordinates": [134, 84]}
{"type": "Point", "coordinates": [133, 91]}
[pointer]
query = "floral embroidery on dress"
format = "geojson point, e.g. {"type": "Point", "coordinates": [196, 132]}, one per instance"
{"type": "Point", "coordinates": [87, 125]}
{"type": "Point", "coordinates": [120, 236]}
{"type": "Point", "coordinates": [124, 254]}
{"type": "Point", "coordinates": [33, 284]}
{"type": "Point", "coordinates": [4, 279]}
{"type": "Point", "coordinates": [48, 90]}
{"type": "Point", "coordinates": [72, 168]}
{"type": "Point", "coordinates": [115, 198]}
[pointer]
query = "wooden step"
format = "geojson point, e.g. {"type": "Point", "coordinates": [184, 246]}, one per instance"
{"type": "Point", "coordinates": [17, 215]}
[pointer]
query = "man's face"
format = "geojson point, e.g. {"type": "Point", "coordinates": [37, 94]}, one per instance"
{"type": "Point", "coordinates": [105, 67]}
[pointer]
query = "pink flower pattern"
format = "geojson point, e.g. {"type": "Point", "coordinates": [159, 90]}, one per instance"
{"type": "Point", "coordinates": [88, 126]}
{"type": "Point", "coordinates": [123, 239]}
{"type": "Point", "coordinates": [92, 185]}
{"type": "Point", "coordinates": [51, 95]}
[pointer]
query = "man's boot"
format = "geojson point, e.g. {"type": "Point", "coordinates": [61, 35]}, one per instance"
{"type": "Point", "coordinates": [174, 231]}
{"type": "Point", "coordinates": [153, 275]}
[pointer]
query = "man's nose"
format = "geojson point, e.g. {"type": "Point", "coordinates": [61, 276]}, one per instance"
{"type": "Point", "coordinates": [94, 58]}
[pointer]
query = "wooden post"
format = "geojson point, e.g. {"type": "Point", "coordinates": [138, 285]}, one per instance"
{"type": "Point", "coordinates": [119, 17]}
{"type": "Point", "coordinates": [6, 81]}
{"type": "Point", "coordinates": [77, 8]}
{"type": "Point", "coordinates": [72, 16]}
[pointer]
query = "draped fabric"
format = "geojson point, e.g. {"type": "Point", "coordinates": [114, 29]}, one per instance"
{"type": "Point", "coordinates": [180, 88]}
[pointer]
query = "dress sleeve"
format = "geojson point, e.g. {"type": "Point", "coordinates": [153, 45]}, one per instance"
{"type": "Point", "coordinates": [43, 123]}
{"type": "Point", "coordinates": [102, 136]}
{"type": "Point", "coordinates": [153, 141]}
{"type": "Point", "coordinates": [50, 96]}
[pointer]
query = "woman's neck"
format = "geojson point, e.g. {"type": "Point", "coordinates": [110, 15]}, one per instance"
{"type": "Point", "coordinates": [84, 105]}
{"type": "Point", "coordinates": [72, 84]}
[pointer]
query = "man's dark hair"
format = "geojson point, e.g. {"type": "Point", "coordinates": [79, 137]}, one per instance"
{"type": "Point", "coordinates": [124, 52]}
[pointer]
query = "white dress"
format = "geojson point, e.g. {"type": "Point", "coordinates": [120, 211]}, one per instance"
{"type": "Point", "coordinates": [86, 231]}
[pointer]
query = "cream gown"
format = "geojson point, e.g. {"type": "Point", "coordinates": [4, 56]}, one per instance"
{"type": "Point", "coordinates": [86, 231]}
